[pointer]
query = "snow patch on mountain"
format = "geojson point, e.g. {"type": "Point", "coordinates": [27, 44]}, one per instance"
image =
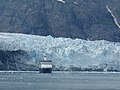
{"type": "Point", "coordinates": [115, 19]}
{"type": "Point", "coordinates": [75, 2]}
{"type": "Point", "coordinates": [64, 51]}
{"type": "Point", "coordinates": [61, 1]}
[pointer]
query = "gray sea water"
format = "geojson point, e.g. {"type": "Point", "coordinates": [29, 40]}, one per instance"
{"type": "Point", "coordinates": [59, 81]}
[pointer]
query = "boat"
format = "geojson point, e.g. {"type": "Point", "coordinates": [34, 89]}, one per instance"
{"type": "Point", "coordinates": [45, 66]}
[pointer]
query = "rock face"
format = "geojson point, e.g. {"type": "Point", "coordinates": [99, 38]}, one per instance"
{"type": "Point", "coordinates": [85, 19]}
{"type": "Point", "coordinates": [15, 60]}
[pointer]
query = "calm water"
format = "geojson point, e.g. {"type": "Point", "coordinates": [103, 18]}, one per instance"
{"type": "Point", "coordinates": [59, 81]}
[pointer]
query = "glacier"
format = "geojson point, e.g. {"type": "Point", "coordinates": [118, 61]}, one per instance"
{"type": "Point", "coordinates": [65, 52]}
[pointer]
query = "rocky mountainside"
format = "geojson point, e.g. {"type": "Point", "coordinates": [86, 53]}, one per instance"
{"type": "Point", "coordinates": [85, 19]}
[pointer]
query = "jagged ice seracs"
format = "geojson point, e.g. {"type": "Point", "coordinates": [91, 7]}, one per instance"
{"type": "Point", "coordinates": [64, 51]}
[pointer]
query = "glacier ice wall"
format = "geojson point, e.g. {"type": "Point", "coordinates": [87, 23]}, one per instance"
{"type": "Point", "coordinates": [64, 51]}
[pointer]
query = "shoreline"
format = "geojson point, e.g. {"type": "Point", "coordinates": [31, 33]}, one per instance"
{"type": "Point", "coordinates": [56, 72]}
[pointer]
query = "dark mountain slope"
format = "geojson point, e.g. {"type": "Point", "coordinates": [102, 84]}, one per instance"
{"type": "Point", "coordinates": [74, 18]}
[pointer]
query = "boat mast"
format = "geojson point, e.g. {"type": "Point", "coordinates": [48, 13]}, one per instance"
{"type": "Point", "coordinates": [45, 58]}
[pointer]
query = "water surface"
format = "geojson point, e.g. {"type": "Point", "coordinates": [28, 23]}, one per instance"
{"type": "Point", "coordinates": [59, 81]}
